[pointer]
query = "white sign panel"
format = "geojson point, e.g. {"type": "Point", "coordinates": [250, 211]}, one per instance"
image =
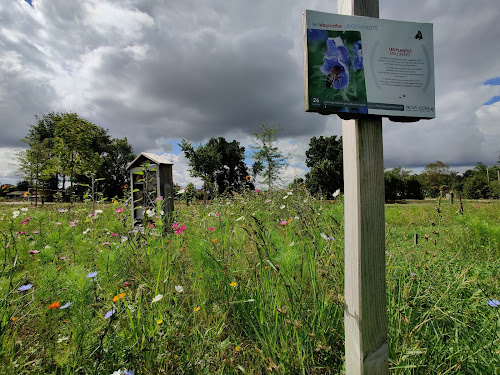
{"type": "Point", "coordinates": [362, 65]}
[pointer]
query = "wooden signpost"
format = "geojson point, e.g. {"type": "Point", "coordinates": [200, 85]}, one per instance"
{"type": "Point", "coordinates": [365, 316]}
{"type": "Point", "coordinates": [388, 65]}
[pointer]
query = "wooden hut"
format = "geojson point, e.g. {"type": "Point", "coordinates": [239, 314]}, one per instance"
{"type": "Point", "coordinates": [151, 183]}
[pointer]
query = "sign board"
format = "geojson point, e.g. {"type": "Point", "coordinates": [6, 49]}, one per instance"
{"type": "Point", "coordinates": [362, 65]}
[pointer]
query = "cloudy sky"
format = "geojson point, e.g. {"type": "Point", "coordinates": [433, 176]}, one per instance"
{"type": "Point", "coordinates": [159, 71]}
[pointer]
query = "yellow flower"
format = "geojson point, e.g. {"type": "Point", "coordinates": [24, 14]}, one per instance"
{"type": "Point", "coordinates": [115, 202]}
{"type": "Point", "coordinates": [159, 321]}
{"type": "Point", "coordinates": [248, 178]}
{"type": "Point", "coordinates": [214, 240]}
{"type": "Point", "coordinates": [233, 284]}
{"type": "Point", "coordinates": [26, 194]}
{"type": "Point", "coordinates": [237, 348]}
{"type": "Point", "coordinates": [197, 308]}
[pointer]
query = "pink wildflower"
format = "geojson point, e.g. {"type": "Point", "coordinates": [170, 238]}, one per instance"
{"type": "Point", "coordinates": [180, 229]}
{"type": "Point", "coordinates": [283, 222]}
{"type": "Point", "coordinates": [118, 210]}
{"type": "Point", "coordinates": [211, 229]}
{"type": "Point", "coordinates": [175, 225]}
{"type": "Point", "coordinates": [34, 251]}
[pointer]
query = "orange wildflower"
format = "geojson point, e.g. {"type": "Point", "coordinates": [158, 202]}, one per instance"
{"type": "Point", "coordinates": [54, 305]}
{"type": "Point", "coordinates": [118, 296]}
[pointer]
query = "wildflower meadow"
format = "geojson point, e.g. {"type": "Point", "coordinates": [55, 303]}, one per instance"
{"type": "Point", "coordinates": [248, 284]}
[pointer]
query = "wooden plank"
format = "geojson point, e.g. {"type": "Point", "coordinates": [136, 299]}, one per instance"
{"type": "Point", "coordinates": [365, 315]}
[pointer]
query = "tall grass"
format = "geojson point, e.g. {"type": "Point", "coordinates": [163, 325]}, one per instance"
{"type": "Point", "coordinates": [253, 284]}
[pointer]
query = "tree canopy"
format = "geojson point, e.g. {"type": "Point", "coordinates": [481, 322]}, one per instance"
{"type": "Point", "coordinates": [64, 147]}
{"type": "Point", "coordinates": [325, 159]}
{"type": "Point", "coordinates": [218, 163]}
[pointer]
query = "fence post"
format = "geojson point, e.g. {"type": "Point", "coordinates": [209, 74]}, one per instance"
{"type": "Point", "coordinates": [365, 316]}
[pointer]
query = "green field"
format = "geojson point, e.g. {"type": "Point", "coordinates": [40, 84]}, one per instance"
{"type": "Point", "coordinates": [250, 285]}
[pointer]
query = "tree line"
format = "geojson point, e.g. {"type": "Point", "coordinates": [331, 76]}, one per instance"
{"type": "Point", "coordinates": [68, 154]}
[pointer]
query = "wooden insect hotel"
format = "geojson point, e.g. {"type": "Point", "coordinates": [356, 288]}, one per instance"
{"type": "Point", "coordinates": [151, 185]}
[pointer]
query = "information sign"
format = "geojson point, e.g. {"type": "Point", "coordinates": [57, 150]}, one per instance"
{"type": "Point", "coordinates": [363, 65]}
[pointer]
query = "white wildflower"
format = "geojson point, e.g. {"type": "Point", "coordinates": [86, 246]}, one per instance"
{"type": "Point", "coordinates": [285, 197]}
{"type": "Point", "coordinates": [98, 212]}
{"type": "Point", "coordinates": [15, 214]}
{"type": "Point", "coordinates": [337, 192]}
{"type": "Point", "coordinates": [157, 298]}
{"type": "Point", "coordinates": [324, 236]}
{"type": "Point", "coordinates": [86, 231]}
{"type": "Point", "coordinates": [282, 206]}
{"type": "Point", "coordinates": [24, 209]}
{"type": "Point", "coordinates": [240, 218]}
{"type": "Point", "coordinates": [179, 289]}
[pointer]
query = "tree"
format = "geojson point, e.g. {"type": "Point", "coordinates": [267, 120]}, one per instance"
{"type": "Point", "coordinates": [232, 173]}
{"type": "Point", "coordinates": [267, 153]}
{"type": "Point", "coordinates": [399, 184]}
{"type": "Point", "coordinates": [475, 187]}
{"type": "Point", "coordinates": [76, 143]}
{"type": "Point", "coordinates": [65, 146]}
{"type": "Point", "coordinates": [116, 155]}
{"type": "Point", "coordinates": [219, 164]}
{"type": "Point", "coordinates": [325, 159]}
{"type": "Point", "coordinates": [481, 182]}
{"type": "Point", "coordinates": [437, 177]}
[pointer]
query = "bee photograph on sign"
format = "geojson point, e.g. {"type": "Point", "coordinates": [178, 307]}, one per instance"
{"type": "Point", "coordinates": [336, 69]}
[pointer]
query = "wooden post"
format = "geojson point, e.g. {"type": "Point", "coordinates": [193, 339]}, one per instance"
{"type": "Point", "coordinates": [365, 315]}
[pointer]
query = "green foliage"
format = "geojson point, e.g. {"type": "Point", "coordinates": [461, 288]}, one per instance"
{"type": "Point", "coordinates": [478, 184]}
{"type": "Point", "coordinates": [65, 146]}
{"type": "Point", "coordinates": [399, 184]}
{"type": "Point", "coordinates": [218, 163]}
{"type": "Point", "coordinates": [251, 284]}
{"type": "Point", "coordinates": [475, 187]}
{"type": "Point", "coordinates": [189, 193]}
{"type": "Point", "coordinates": [325, 159]}
{"type": "Point", "coordinates": [267, 153]}
{"type": "Point", "coordinates": [437, 177]}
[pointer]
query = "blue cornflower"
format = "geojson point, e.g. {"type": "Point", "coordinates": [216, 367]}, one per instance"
{"type": "Point", "coordinates": [128, 372]}
{"type": "Point", "coordinates": [494, 303]}
{"type": "Point", "coordinates": [65, 306]}
{"type": "Point", "coordinates": [109, 314]}
{"type": "Point", "coordinates": [91, 275]}
{"type": "Point", "coordinates": [24, 288]}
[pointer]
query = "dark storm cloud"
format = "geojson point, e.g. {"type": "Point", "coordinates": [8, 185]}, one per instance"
{"type": "Point", "coordinates": [193, 69]}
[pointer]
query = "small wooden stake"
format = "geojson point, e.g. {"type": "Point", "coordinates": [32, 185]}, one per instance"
{"type": "Point", "coordinates": [365, 316]}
